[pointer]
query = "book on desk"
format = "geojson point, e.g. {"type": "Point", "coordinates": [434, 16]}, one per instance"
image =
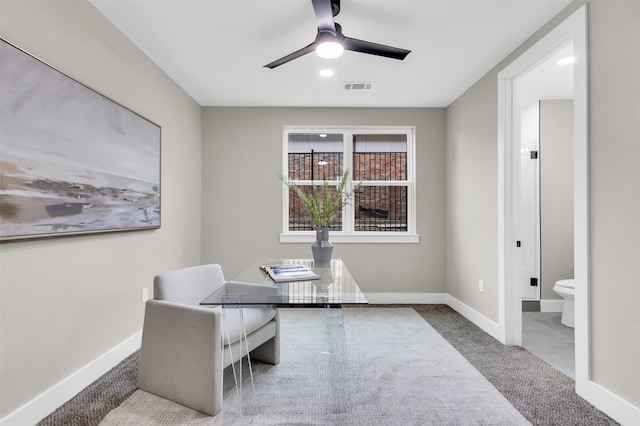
{"type": "Point", "coordinates": [287, 273]}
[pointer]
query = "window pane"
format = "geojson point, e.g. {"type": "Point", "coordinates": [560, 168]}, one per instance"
{"type": "Point", "coordinates": [381, 208]}
{"type": "Point", "coordinates": [315, 157]}
{"type": "Point", "coordinates": [380, 157]}
{"type": "Point", "coordinates": [299, 220]}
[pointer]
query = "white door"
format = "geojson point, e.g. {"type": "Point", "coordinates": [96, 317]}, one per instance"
{"type": "Point", "coordinates": [530, 201]}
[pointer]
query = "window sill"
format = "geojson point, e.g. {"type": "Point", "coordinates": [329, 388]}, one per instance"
{"type": "Point", "coordinates": [359, 238]}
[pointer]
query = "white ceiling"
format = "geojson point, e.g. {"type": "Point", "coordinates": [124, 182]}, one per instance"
{"type": "Point", "coordinates": [216, 49]}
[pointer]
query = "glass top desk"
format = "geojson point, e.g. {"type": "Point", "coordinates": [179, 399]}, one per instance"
{"type": "Point", "coordinates": [336, 287]}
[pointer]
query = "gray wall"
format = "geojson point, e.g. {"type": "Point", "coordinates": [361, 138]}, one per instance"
{"type": "Point", "coordinates": [242, 201]}
{"type": "Point", "coordinates": [614, 137]}
{"type": "Point", "coordinates": [64, 302]}
{"type": "Point", "coordinates": [472, 198]}
{"type": "Point", "coordinates": [556, 194]}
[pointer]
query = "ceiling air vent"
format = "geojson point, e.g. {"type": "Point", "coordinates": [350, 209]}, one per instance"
{"type": "Point", "coordinates": [358, 86]}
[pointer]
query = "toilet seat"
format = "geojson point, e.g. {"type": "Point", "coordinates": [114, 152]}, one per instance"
{"type": "Point", "coordinates": [565, 288]}
{"type": "Point", "coordinates": [568, 283]}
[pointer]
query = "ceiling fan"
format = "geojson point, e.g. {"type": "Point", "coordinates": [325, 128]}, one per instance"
{"type": "Point", "coordinates": [330, 42]}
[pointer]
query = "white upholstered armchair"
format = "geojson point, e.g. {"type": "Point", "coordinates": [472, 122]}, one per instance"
{"type": "Point", "coordinates": [183, 352]}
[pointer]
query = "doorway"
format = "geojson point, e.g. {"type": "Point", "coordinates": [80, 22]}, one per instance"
{"type": "Point", "coordinates": [545, 97]}
{"type": "Point", "coordinates": [546, 209]}
{"type": "Point", "coordinates": [571, 31]}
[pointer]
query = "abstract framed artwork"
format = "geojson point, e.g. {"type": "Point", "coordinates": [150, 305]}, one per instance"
{"type": "Point", "coordinates": [72, 161]}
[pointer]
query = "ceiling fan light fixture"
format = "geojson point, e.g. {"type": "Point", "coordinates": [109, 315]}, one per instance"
{"type": "Point", "coordinates": [329, 49]}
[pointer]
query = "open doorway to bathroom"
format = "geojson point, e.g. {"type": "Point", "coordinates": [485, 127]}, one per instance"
{"type": "Point", "coordinates": [546, 207]}
{"type": "Point", "coordinates": [570, 31]}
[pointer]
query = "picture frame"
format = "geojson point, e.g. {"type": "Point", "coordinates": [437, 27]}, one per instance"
{"type": "Point", "coordinates": [72, 161]}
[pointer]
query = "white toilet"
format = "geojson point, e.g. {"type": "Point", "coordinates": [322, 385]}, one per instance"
{"type": "Point", "coordinates": [566, 289]}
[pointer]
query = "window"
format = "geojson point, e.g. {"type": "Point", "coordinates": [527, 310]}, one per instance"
{"type": "Point", "coordinates": [380, 159]}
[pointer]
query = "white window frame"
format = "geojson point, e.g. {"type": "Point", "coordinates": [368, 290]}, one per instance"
{"type": "Point", "coordinates": [348, 235]}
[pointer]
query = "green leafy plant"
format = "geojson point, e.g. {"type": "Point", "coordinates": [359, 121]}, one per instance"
{"type": "Point", "coordinates": [322, 202]}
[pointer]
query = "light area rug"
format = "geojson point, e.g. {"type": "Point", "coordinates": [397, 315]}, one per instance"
{"type": "Point", "coordinates": [390, 368]}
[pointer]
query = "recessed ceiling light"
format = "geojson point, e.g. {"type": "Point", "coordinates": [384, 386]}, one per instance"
{"type": "Point", "coordinates": [566, 61]}
{"type": "Point", "coordinates": [326, 72]}
{"type": "Point", "coordinates": [323, 135]}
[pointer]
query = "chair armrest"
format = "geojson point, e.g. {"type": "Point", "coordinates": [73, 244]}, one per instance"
{"type": "Point", "coordinates": [181, 354]}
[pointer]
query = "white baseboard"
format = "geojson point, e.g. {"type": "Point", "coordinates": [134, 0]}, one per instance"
{"type": "Point", "coordinates": [551, 305]}
{"type": "Point", "coordinates": [407, 298]}
{"type": "Point", "coordinates": [604, 400]}
{"type": "Point", "coordinates": [487, 325]}
{"type": "Point", "coordinates": [48, 401]}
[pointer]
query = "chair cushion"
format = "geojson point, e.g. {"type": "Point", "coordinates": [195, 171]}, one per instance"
{"type": "Point", "coordinates": [253, 319]}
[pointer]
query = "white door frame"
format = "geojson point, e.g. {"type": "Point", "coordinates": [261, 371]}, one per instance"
{"type": "Point", "coordinates": [571, 30]}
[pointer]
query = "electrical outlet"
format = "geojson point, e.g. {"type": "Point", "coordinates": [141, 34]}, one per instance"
{"type": "Point", "coordinates": [145, 294]}
{"type": "Point", "coordinates": [481, 286]}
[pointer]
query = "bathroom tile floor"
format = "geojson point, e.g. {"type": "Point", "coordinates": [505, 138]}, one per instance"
{"type": "Point", "coordinates": [544, 336]}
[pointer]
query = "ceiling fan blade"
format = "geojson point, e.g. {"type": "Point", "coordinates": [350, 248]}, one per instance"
{"type": "Point", "coordinates": [324, 15]}
{"type": "Point", "coordinates": [292, 56]}
{"type": "Point", "coordinates": [335, 7]}
{"type": "Point", "coordinates": [362, 46]}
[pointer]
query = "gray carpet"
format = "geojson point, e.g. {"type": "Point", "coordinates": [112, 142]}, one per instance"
{"type": "Point", "coordinates": [397, 371]}
{"type": "Point", "coordinates": [90, 406]}
{"type": "Point", "coordinates": [542, 395]}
